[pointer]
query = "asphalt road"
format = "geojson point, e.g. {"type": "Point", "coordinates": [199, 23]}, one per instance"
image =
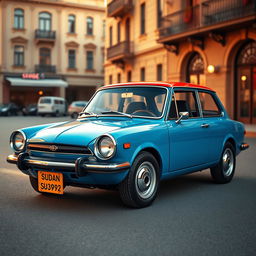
{"type": "Point", "coordinates": [191, 215]}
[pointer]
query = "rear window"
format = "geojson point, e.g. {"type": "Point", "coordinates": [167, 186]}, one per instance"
{"type": "Point", "coordinates": [45, 101]}
{"type": "Point", "coordinates": [80, 104]}
{"type": "Point", "coordinates": [209, 105]}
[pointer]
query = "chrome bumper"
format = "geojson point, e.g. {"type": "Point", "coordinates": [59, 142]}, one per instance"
{"type": "Point", "coordinates": [80, 166]}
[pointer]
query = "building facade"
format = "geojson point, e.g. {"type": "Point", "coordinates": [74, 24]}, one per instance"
{"type": "Point", "coordinates": [50, 48]}
{"type": "Point", "coordinates": [204, 42]}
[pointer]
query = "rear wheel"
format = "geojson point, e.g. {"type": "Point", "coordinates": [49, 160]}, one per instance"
{"type": "Point", "coordinates": [140, 187]}
{"type": "Point", "coordinates": [224, 171]}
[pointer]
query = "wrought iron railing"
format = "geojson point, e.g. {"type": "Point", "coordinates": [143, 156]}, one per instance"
{"type": "Point", "coordinates": [119, 7]}
{"type": "Point", "coordinates": [207, 13]}
{"type": "Point", "coordinates": [45, 34]}
{"type": "Point", "coordinates": [43, 68]}
{"type": "Point", "coordinates": [122, 50]}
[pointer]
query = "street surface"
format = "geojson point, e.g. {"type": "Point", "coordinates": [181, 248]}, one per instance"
{"type": "Point", "coordinates": [191, 215]}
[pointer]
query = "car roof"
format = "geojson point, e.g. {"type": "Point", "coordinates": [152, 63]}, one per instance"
{"type": "Point", "coordinates": [162, 84]}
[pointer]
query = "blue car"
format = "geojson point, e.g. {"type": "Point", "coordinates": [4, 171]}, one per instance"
{"type": "Point", "coordinates": [129, 137]}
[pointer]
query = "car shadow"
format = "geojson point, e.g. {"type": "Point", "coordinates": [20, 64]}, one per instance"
{"type": "Point", "coordinates": [95, 200]}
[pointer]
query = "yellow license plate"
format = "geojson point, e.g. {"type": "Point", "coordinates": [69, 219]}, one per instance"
{"type": "Point", "coordinates": [50, 182]}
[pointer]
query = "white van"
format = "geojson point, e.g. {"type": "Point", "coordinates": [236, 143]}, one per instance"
{"type": "Point", "coordinates": [50, 105]}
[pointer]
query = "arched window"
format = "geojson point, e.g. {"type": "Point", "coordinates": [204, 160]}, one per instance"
{"type": "Point", "coordinates": [195, 70]}
{"type": "Point", "coordinates": [18, 18]}
{"type": "Point", "coordinates": [71, 23]}
{"type": "Point", "coordinates": [45, 21]}
{"type": "Point", "coordinates": [89, 22]}
{"type": "Point", "coordinates": [246, 83]}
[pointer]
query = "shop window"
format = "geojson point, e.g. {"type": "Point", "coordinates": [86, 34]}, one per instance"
{"type": "Point", "coordinates": [18, 55]}
{"type": "Point", "coordinates": [71, 23]}
{"type": "Point", "coordinates": [89, 22]}
{"type": "Point", "coordinates": [71, 59]}
{"type": "Point", "coordinates": [18, 18]}
{"type": "Point", "coordinates": [89, 60]}
{"type": "Point", "coordinates": [45, 21]}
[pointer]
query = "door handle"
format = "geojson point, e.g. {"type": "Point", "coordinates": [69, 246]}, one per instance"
{"type": "Point", "coordinates": [205, 125]}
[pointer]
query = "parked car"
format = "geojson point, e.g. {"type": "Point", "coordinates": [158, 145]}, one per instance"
{"type": "Point", "coordinates": [76, 107]}
{"type": "Point", "coordinates": [129, 137]}
{"type": "Point", "coordinates": [9, 109]}
{"type": "Point", "coordinates": [50, 105]}
{"type": "Point", "coordinates": [30, 110]}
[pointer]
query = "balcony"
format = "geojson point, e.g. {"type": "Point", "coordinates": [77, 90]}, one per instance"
{"type": "Point", "coordinates": [220, 15]}
{"type": "Point", "coordinates": [118, 8]}
{"type": "Point", "coordinates": [44, 36]}
{"type": "Point", "coordinates": [120, 51]}
{"type": "Point", "coordinates": [43, 68]}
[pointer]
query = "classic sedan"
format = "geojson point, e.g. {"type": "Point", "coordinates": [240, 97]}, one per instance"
{"type": "Point", "coordinates": [129, 137]}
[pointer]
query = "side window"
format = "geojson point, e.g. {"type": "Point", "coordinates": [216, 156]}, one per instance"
{"type": "Point", "coordinates": [184, 101]}
{"type": "Point", "coordinates": [209, 105]}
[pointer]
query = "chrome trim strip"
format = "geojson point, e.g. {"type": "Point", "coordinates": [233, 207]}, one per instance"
{"type": "Point", "coordinates": [59, 153]}
{"type": "Point", "coordinates": [12, 158]}
{"type": "Point", "coordinates": [109, 166]}
{"type": "Point", "coordinates": [46, 163]}
{"type": "Point", "coordinates": [125, 165]}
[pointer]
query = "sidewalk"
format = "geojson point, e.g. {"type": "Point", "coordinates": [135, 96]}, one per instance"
{"type": "Point", "coordinates": [250, 130]}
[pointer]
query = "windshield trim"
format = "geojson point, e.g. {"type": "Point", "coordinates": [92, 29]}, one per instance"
{"type": "Point", "coordinates": [134, 116]}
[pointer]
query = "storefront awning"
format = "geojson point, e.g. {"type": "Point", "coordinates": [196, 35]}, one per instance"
{"type": "Point", "coordinates": [37, 83]}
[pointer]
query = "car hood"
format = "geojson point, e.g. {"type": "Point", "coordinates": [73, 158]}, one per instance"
{"type": "Point", "coordinates": [81, 132]}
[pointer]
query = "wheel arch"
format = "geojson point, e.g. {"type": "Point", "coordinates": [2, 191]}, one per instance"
{"type": "Point", "coordinates": [156, 154]}
{"type": "Point", "coordinates": [232, 141]}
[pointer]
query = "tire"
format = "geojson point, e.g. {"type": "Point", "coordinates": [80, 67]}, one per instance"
{"type": "Point", "coordinates": [224, 171]}
{"type": "Point", "coordinates": [34, 184]}
{"type": "Point", "coordinates": [74, 115]}
{"type": "Point", "coordinates": [139, 189]}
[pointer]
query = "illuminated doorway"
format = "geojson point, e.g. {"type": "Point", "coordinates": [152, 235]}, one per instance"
{"type": "Point", "coordinates": [246, 83]}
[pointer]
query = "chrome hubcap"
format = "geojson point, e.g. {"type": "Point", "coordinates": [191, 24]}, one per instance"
{"type": "Point", "coordinates": [228, 162]}
{"type": "Point", "coordinates": [145, 180]}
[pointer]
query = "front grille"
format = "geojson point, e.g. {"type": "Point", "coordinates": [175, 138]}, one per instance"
{"type": "Point", "coordinates": [59, 148]}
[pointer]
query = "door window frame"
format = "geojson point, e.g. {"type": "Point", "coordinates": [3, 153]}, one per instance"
{"type": "Point", "coordinates": [197, 101]}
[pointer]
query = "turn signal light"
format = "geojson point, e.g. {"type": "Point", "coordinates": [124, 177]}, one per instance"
{"type": "Point", "coordinates": [127, 145]}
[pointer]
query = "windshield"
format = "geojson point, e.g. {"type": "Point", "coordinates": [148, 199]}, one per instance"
{"type": "Point", "coordinates": [135, 101]}
{"type": "Point", "coordinates": [45, 101]}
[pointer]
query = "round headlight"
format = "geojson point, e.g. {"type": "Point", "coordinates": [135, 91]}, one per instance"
{"type": "Point", "coordinates": [18, 141]}
{"type": "Point", "coordinates": [105, 147]}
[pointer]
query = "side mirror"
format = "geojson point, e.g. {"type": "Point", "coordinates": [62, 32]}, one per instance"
{"type": "Point", "coordinates": [183, 116]}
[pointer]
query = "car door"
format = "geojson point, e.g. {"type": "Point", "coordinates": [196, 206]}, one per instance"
{"type": "Point", "coordinates": [188, 142]}
{"type": "Point", "coordinates": [213, 131]}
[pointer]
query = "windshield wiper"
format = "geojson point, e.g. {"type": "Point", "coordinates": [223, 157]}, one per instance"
{"type": "Point", "coordinates": [116, 112]}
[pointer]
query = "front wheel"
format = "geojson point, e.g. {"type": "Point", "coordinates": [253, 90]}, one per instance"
{"type": "Point", "coordinates": [224, 171]}
{"type": "Point", "coordinates": [140, 187]}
